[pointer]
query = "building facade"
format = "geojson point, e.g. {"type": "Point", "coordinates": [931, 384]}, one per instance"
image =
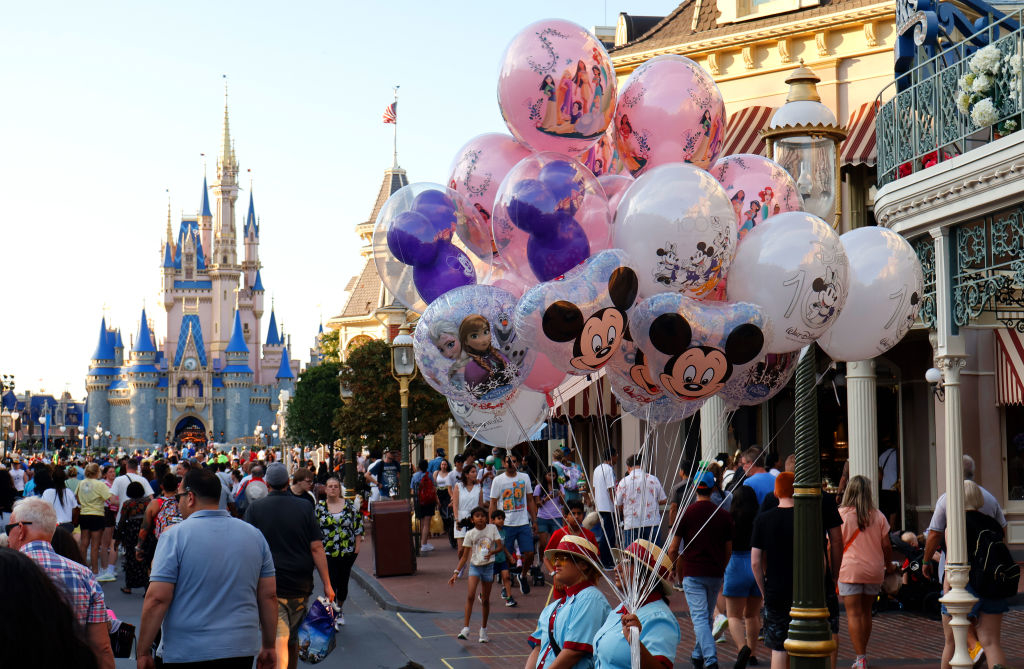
{"type": "Point", "coordinates": [209, 378]}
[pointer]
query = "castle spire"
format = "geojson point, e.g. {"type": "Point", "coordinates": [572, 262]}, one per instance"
{"type": "Point", "coordinates": [144, 344]}
{"type": "Point", "coordinates": [285, 370]}
{"type": "Point", "coordinates": [170, 235]}
{"type": "Point", "coordinates": [105, 348]}
{"type": "Point", "coordinates": [237, 343]}
{"type": "Point", "coordinates": [204, 207]}
{"type": "Point", "coordinates": [226, 152]}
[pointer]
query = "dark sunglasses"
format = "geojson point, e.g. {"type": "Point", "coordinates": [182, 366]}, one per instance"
{"type": "Point", "coordinates": [178, 496]}
{"type": "Point", "coordinates": [8, 528]}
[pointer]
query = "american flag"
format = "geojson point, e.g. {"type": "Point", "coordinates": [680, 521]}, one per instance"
{"type": "Point", "coordinates": [391, 113]}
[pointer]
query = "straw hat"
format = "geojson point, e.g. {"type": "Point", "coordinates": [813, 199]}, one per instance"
{"type": "Point", "coordinates": [647, 554]}
{"type": "Point", "coordinates": [576, 547]}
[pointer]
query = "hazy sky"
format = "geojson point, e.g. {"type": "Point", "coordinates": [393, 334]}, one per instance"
{"type": "Point", "coordinates": [108, 105]}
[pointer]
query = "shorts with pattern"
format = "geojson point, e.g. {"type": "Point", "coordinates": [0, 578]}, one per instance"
{"type": "Point", "coordinates": [776, 628]}
{"type": "Point", "coordinates": [290, 612]}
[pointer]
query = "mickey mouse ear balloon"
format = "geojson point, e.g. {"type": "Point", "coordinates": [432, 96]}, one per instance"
{"type": "Point", "coordinates": [417, 246]}
{"type": "Point", "coordinates": [556, 87]}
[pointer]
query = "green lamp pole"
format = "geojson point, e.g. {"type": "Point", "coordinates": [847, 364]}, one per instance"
{"type": "Point", "coordinates": [403, 368]}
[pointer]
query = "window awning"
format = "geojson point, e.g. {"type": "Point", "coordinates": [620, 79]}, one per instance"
{"type": "Point", "coordinates": [743, 131]}
{"type": "Point", "coordinates": [859, 147]}
{"type": "Point", "coordinates": [1009, 367]}
{"type": "Point", "coordinates": [585, 397]}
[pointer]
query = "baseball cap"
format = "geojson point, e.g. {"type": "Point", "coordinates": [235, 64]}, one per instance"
{"type": "Point", "coordinates": [706, 481]}
{"type": "Point", "coordinates": [277, 475]}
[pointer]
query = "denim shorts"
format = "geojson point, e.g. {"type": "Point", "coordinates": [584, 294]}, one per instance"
{"type": "Point", "coordinates": [548, 525]}
{"type": "Point", "coordinates": [483, 572]}
{"type": "Point", "coordinates": [983, 605]}
{"type": "Point", "coordinates": [519, 535]}
{"type": "Point", "coordinates": [739, 577]}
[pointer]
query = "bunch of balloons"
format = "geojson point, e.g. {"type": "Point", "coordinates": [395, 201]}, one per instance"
{"type": "Point", "coordinates": [606, 235]}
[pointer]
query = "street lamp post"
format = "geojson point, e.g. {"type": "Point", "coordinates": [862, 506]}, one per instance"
{"type": "Point", "coordinates": [403, 368]}
{"type": "Point", "coordinates": [46, 431]}
{"type": "Point", "coordinates": [803, 136]}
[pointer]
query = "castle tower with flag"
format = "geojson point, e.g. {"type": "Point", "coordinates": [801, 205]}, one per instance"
{"type": "Point", "coordinates": [211, 377]}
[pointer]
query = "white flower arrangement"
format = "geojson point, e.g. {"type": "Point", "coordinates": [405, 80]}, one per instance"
{"type": "Point", "coordinates": [976, 88]}
{"type": "Point", "coordinates": [984, 113]}
{"type": "Point", "coordinates": [986, 60]}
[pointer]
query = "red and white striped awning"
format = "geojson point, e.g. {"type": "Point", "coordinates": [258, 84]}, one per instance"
{"type": "Point", "coordinates": [584, 397]}
{"type": "Point", "coordinates": [743, 131]}
{"type": "Point", "coordinates": [1009, 367]}
{"type": "Point", "coordinates": [859, 147]}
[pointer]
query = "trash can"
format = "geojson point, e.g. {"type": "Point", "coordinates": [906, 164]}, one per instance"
{"type": "Point", "coordinates": [393, 551]}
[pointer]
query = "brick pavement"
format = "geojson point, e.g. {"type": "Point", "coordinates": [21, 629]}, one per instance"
{"type": "Point", "coordinates": [898, 641]}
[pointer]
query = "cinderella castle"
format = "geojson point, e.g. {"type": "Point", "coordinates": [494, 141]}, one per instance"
{"type": "Point", "coordinates": [210, 378]}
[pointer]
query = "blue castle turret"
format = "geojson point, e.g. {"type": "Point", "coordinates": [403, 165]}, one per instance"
{"type": "Point", "coordinates": [237, 378]}
{"type": "Point", "coordinates": [102, 371]}
{"type": "Point", "coordinates": [141, 375]}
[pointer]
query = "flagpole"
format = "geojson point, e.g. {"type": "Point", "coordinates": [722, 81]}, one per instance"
{"type": "Point", "coordinates": [395, 136]}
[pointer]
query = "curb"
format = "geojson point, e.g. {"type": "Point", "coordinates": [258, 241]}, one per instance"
{"type": "Point", "coordinates": [379, 594]}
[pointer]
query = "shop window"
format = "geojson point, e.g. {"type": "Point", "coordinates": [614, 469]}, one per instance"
{"type": "Point", "coordinates": [1015, 453]}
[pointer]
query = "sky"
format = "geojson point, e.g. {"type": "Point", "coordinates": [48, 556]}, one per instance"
{"type": "Point", "coordinates": [109, 106]}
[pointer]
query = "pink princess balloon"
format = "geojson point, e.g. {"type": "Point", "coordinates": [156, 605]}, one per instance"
{"type": "Point", "coordinates": [603, 158]}
{"type": "Point", "coordinates": [758, 187]}
{"type": "Point", "coordinates": [669, 111]}
{"type": "Point", "coordinates": [476, 172]}
{"type": "Point", "coordinates": [556, 87]}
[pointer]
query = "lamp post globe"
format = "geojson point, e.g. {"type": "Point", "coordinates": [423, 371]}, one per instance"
{"type": "Point", "coordinates": [403, 368]}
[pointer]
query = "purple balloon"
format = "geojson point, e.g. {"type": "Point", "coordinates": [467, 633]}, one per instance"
{"type": "Point", "coordinates": [561, 179]}
{"type": "Point", "coordinates": [534, 209]}
{"type": "Point", "coordinates": [451, 268]}
{"type": "Point", "coordinates": [437, 207]}
{"type": "Point", "coordinates": [413, 239]}
{"type": "Point", "coordinates": [553, 257]}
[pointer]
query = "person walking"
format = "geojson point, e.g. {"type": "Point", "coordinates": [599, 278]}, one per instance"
{"type": "Point", "coordinates": [867, 558]}
{"type": "Point", "coordinates": [603, 483]}
{"type": "Point", "coordinates": [640, 496]}
{"type": "Point", "coordinates": [467, 495]}
{"type": "Point", "coordinates": [987, 613]}
{"type": "Point", "coordinates": [511, 492]}
{"type": "Point", "coordinates": [421, 486]}
{"type": "Point", "coordinates": [706, 531]}
{"type": "Point", "coordinates": [742, 596]}
{"type": "Point", "coordinates": [92, 493]}
{"type": "Point", "coordinates": [63, 501]}
{"type": "Point", "coordinates": [209, 608]}
{"type": "Point", "coordinates": [550, 498]}
{"type": "Point", "coordinates": [771, 559]}
{"type": "Point", "coordinates": [444, 482]}
{"type": "Point", "coordinates": [296, 543]}
{"type": "Point", "coordinates": [756, 476]}
{"type": "Point", "coordinates": [119, 486]}
{"type": "Point", "coordinates": [482, 542]}
{"type": "Point", "coordinates": [108, 547]}
{"type": "Point", "coordinates": [133, 512]}
{"type": "Point", "coordinates": [30, 531]}
{"type": "Point", "coordinates": [342, 527]}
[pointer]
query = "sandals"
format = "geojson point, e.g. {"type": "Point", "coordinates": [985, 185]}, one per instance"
{"type": "Point", "coordinates": [126, 591]}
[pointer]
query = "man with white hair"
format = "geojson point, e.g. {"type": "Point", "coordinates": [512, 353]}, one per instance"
{"type": "Point", "coordinates": [30, 531]}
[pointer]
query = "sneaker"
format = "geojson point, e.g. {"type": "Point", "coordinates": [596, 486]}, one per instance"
{"type": "Point", "coordinates": [426, 548]}
{"type": "Point", "coordinates": [678, 586]}
{"type": "Point", "coordinates": [106, 577]}
{"type": "Point", "coordinates": [339, 620]}
{"type": "Point", "coordinates": [524, 584]}
{"type": "Point", "coordinates": [977, 653]}
{"type": "Point", "coordinates": [697, 662]}
{"type": "Point", "coordinates": [483, 635]}
{"type": "Point", "coordinates": [753, 662]}
{"type": "Point", "coordinates": [538, 576]}
{"type": "Point", "coordinates": [860, 662]}
{"type": "Point", "coordinates": [742, 657]}
{"type": "Point", "coordinates": [464, 634]}
{"type": "Point", "coordinates": [511, 602]}
{"type": "Point", "coordinates": [721, 622]}
{"type": "Point", "coordinates": [504, 593]}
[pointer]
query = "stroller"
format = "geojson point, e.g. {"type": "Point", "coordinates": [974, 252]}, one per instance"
{"type": "Point", "coordinates": [919, 593]}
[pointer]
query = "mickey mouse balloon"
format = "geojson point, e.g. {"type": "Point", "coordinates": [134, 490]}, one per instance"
{"type": "Point", "coordinates": [578, 320]}
{"type": "Point", "coordinates": [693, 348]}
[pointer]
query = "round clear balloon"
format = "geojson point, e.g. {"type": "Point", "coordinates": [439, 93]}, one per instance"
{"type": "Point", "coordinates": [523, 414]}
{"type": "Point", "coordinates": [692, 348]}
{"type": "Point", "coordinates": [467, 349]}
{"type": "Point", "coordinates": [556, 87]}
{"type": "Point", "coordinates": [884, 294]}
{"type": "Point", "coordinates": [578, 320]}
{"type": "Point", "coordinates": [670, 111]}
{"type": "Point", "coordinates": [638, 393]}
{"type": "Point", "coordinates": [677, 225]}
{"type": "Point", "coordinates": [758, 187]}
{"type": "Point", "coordinates": [550, 214]}
{"type": "Point", "coordinates": [795, 267]}
{"type": "Point", "coordinates": [615, 186]}
{"type": "Point", "coordinates": [761, 382]}
{"type": "Point", "coordinates": [476, 172]}
{"type": "Point", "coordinates": [416, 249]}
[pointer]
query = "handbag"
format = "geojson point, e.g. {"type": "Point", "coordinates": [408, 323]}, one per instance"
{"type": "Point", "coordinates": [122, 638]}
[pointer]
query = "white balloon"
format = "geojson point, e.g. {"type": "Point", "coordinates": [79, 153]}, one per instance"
{"type": "Point", "coordinates": [524, 412]}
{"type": "Point", "coordinates": [678, 226]}
{"type": "Point", "coordinates": [794, 266]}
{"type": "Point", "coordinates": [885, 289]}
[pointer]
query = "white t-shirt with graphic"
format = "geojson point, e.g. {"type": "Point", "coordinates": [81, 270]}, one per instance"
{"type": "Point", "coordinates": [510, 493]}
{"type": "Point", "coordinates": [479, 542]}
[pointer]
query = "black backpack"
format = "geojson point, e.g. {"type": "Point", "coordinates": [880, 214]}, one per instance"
{"type": "Point", "coordinates": [994, 573]}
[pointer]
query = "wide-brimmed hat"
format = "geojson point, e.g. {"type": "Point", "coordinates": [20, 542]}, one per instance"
{"type": "Point", "coordinates": [577, 547]}
{"type": "Point", "coordinates": [647, 554]}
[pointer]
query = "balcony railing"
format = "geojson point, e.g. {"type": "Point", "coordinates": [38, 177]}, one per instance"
{"type": "Point", "coordinates": [920, 121]}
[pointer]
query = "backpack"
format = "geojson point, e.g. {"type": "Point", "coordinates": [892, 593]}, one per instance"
{"type": "Point", "coordinates": [427, 494]}
{"type": "Point", "coordinates": [166, 516]}
{"type": "Point", "coordinates": [994, 573]}
{"type": "Point", "coordinates": [255, 489]}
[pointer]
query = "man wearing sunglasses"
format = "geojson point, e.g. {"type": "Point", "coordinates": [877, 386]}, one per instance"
{"type": "Point", "coordinates": [30, 531]}
{"type": "Point", "coordinates": [211, 608]}
{"type": "Point", "coordinates": [511, 492]}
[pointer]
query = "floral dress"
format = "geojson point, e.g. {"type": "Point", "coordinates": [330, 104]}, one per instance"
{"type": "Point", "coordinates": [136, 572]}
{"type": "Point", "coordinates": [339, 536]}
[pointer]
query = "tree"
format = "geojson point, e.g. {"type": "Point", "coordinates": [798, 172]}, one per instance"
{"type": "Point", "coordinates": [329, 346]}
{"type": "Point", "coordinates": [374, 413]}
{"type": "Point", "coordinates": [311, 411]}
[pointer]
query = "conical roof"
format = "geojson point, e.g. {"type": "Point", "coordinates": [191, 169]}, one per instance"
{"type": "Point", "coordinates": [237, 343]}
{"type": "Point", "coordinates": [285, 370]}
{"type": "Point", "coordinates": [104, 349]}
{"type": "Point", "coordinates": [144, 344]}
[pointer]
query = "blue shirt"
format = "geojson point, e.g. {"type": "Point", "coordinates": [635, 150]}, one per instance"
{"type": "Point", "coordinates": [414, 485]}
{"type": "Point", "coordinates": [573, 621]}
{"type": "Point", "coordinates": [659, 633]}
{"type": "Point", "coordinates": [434, 464]}
{"type": "Point", "coordinates": [762, 484]}
{"type": "Point", "coordinates": [215, 563]}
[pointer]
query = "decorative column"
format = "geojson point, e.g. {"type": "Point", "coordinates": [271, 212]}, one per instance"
{"type": "Point", "coordinates": [862, 421]}
{"type": "Point", "coordinates": [714, 433]}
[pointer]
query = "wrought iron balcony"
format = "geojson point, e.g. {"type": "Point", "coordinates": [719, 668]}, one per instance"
{"type": "Point", "coordinates": [923, 119]}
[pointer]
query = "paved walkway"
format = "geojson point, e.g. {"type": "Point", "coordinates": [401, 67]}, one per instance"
{"type": "Point", "coordinates": [432, 610]}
